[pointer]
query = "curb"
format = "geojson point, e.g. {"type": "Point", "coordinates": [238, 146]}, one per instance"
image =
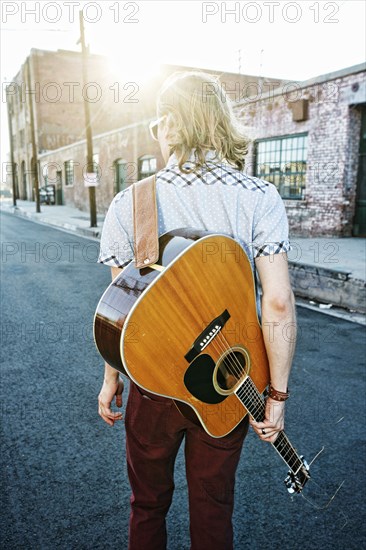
{"type": "Point", "coordinates": [328, 286]}
{"type": "Point", "coordinates": [92, 232]}
{"type": "Point", "coordinates": [332, 311]}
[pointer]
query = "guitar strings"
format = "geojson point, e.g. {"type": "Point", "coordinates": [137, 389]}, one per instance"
{"type": "Point", "coordinates": [330, 500]}
{"type": "Point", "coordinates": [255, 404]}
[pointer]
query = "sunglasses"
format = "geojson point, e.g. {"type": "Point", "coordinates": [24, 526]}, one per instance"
{"type": "Point", "coordinates": [153, 127]}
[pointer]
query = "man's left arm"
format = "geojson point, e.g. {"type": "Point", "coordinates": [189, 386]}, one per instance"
{"type": "Point", "coordinates": [279, 334]}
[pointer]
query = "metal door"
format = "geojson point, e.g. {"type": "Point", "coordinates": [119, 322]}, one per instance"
{"type": "Point", "coordinates": [359, 222]}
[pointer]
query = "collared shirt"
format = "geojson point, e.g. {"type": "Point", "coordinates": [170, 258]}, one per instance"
{"type": "Point", "coordinates": [216, 197]}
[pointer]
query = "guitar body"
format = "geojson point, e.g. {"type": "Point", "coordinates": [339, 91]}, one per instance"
{"type": "Point", "coordinates": [187, 329]}
{"type": "Point", "coordinates": [189, 332]}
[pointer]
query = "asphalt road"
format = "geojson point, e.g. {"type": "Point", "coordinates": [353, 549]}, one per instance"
{"type": "Point", "coordinates": [63, 470]}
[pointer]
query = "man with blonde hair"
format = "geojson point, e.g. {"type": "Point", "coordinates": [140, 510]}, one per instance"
{"type": "Point", "coordinates": [204, 186]}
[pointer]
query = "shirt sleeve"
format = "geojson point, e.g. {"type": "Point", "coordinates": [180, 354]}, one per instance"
{"type": "Point", "coordinates": [270, 229]}
{"type": "Point", "coordinates": [116, 244]}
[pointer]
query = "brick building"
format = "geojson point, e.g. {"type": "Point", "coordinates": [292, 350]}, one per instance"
{"type": "Point", "coordinates": [120, 110]}
{"type": "Point", "coordinates": [309, 139]}
{"type": "Point", "coordinates": [52, 85]}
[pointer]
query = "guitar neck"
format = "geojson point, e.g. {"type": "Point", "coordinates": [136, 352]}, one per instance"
{"type": "Point", "coordinates": [254, 402]}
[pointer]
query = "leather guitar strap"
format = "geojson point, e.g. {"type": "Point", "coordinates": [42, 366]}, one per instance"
{"type": "Point", "coordinates": [145, 222]}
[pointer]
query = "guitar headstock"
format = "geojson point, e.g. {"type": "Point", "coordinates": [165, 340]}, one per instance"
{"type": "Point", "coordinates": [295, 482]}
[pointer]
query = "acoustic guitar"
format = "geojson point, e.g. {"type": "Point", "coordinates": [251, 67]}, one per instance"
{"type": "Point", "coordinates": [187, 328]}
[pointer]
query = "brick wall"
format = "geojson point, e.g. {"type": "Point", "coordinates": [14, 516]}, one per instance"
{"type": "Point", "coordinates": [333, 128]}
{"type": "Point", "coordinates": [128, 144]}
{"type": "Point", "coordinates": [57, 97]}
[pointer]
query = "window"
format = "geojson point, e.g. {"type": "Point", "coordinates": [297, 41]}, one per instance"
{"type": "Point", "coordinates": [282, 161]}
{"type": "Point", "coordinates": [69, 173]}
{"type": "Point", "coordinates": [146, 166]}
{"type": "Point", "coordinates": [120, 172]}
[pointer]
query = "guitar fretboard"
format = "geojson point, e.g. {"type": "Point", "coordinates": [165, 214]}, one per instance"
{"type": "Point", "coordinates": [254, 402]}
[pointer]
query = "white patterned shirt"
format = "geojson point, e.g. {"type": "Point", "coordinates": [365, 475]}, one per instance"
{"type": "Point", "coordinates": [216, 197]}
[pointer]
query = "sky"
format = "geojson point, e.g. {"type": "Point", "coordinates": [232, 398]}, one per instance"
{"type": "Point", "coordinates": [280, 39]}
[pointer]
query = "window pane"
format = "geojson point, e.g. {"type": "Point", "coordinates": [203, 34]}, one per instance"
{"type": "Point", "coordinates": [282, 162]}
{"type": "Point", "coordinates": [69, 172]}
{"type": "Point", "coordinates": [147, 166]}
{"type": "Point", "coordinates": [121, 176]}
{"type": "Point", "coordinates": [153, 165]}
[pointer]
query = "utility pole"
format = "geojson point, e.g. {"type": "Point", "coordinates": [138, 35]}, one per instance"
{"type": "Point", "coordinates": [88, 130]}
{"type": "Point", "coordinates": [34, 168]}
{"type": "Point", "coordinates": [10, 127]}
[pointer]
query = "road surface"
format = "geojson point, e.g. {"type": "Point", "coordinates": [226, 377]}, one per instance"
{"type": "Point", "coordinates": [63, 470]}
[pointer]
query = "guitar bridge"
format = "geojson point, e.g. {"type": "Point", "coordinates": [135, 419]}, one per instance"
{"type": "Point", "coordinates": [207, 335]}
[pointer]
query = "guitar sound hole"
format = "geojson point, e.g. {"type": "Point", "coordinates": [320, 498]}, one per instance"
{"type": "Point", "coordinates": [231, 370]}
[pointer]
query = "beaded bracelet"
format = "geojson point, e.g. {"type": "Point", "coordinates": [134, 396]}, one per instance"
{"type": "Point", "coordinates": [277, 395]}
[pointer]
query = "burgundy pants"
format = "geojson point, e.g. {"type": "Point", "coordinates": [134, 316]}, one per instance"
{"type": "Point", "coordinates": [154, 432]}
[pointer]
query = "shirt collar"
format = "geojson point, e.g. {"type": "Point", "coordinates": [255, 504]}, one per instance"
{"type": "Point", "coordinates": [211, 156]}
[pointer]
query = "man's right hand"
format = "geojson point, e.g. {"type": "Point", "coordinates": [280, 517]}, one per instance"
{"type": "Point", "coordinates": [111, 389]}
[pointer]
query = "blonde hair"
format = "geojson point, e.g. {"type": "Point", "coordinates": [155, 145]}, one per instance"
{"type": "Point", "coordinates": [200, 116]}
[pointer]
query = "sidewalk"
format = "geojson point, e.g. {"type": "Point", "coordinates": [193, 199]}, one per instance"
{"type": "Point", "coordinates": [65, 217]}
{"type": "Point", "coordinates": [326, 270]}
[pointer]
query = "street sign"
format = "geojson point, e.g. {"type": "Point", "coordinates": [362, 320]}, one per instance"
{"type": "Point", "coordinates": [91, 179]}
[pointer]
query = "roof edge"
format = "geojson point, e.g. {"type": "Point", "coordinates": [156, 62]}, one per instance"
{"type": "Point", "coordinates": [341, 73]}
